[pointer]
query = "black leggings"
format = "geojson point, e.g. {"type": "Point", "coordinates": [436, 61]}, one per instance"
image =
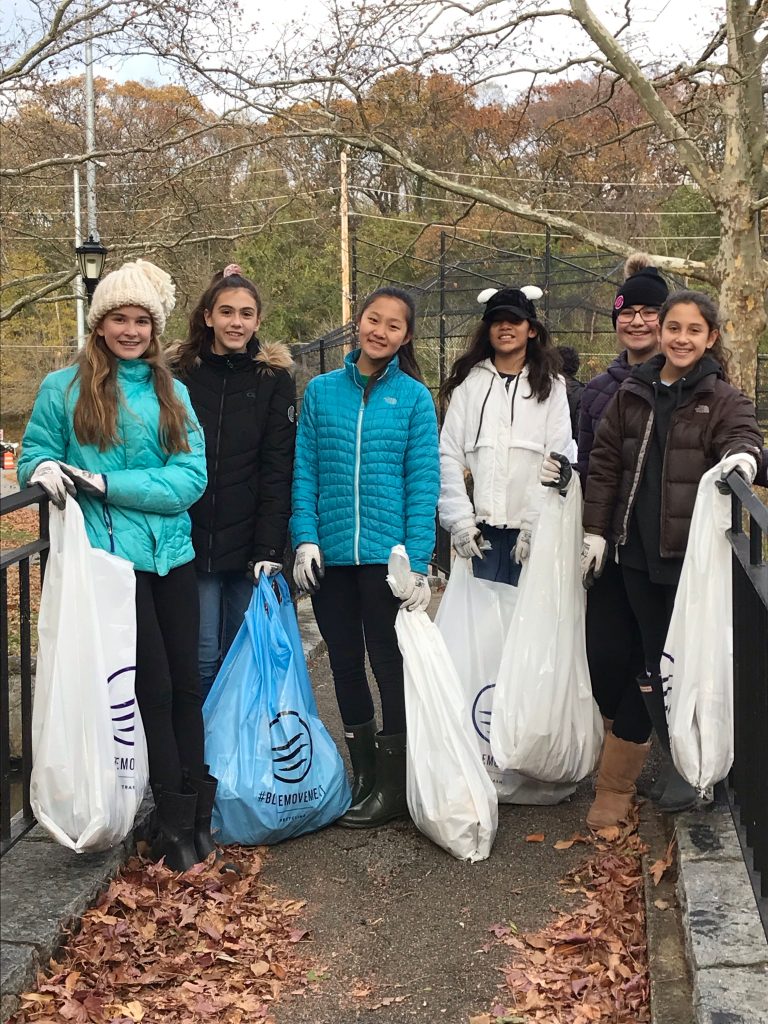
{"type": "Point", "coordinates": [652, 604]}
{"type": "Point", "coordinates": [615, 655]}
{"type": "Point", "coordinates": [355, 610]}
{"type": "Point", "coordinates": [167, 674]}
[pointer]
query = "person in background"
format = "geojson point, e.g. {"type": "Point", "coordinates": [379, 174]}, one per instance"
{"type": "Point", "coordinates": [244, 394]}
{"type": "Point", "coordinates": [675, 417]}
{"type": "Point", "coordinates": [570, 361]}
{"type": "Point", "coordinates": [507, 409]}
{"type": "Point", "coordinates": [367, 478]}
{"type": "Point", "coordinates": [116, 431]}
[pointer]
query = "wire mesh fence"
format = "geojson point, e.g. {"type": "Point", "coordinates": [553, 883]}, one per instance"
{"type": "Point", "coordinates": [576, 306]}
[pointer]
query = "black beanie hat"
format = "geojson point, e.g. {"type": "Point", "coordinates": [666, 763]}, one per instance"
{"type": "Point", "coordinates": [643, 286]}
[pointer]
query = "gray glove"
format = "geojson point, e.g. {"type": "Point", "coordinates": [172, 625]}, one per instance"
{"type": "Point", "coordinates": [85, 481]}
{"type": "Point", "coordinates": [53, 481]}
{"type": "Point", "coordinates": [309, 568]}
{"type": "Point", "coordinates": [268, 568]}
{"type": "Point", "coordinates": [522, 547]}
{"type": "Point", "coordinates": [556, 471]}
{"type": "Point", "coordinates": [418, 595]}
{"type": "Point", "coordinates": [465, 542]}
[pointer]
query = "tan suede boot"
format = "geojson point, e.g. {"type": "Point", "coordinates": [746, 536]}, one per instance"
{"type": "Point", "coordinates": [621, 764]}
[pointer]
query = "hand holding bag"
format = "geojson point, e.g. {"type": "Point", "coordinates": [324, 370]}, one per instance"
{"type": "Point", "coordinates": [697, 664]}
{"type": "Point", "coordinates": [450, 796]}
{"type": "Point", "coordinates": [90, 767]}
{"type": "Point", "coordinates": [545, 722]}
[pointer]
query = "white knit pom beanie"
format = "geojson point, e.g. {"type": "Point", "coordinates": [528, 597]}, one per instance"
{"type": "Point", "coordinates": [135, 284]}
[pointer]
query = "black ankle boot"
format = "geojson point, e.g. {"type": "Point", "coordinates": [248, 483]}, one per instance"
{"type": "Point", "coordinates": [204, 788]}
{"type": "Point", "coordinates": [175, 838]}
{"type": "Point", "coordinates": [387, 798]}
{"type": "Point", "coordinates": [361, 741]}
{"type": "Point", "coordinates": [672, 793]}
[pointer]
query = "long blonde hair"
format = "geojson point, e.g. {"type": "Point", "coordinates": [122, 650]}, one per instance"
{"type": "Point", "coordinates": [95, 417]}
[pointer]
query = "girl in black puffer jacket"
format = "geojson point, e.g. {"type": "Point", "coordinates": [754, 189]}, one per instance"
{"type": "Point", "coordinates": [245, 398]}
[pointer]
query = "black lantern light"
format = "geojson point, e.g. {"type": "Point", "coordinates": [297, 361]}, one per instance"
{"type": "Point", "coordinates": [91, 256]}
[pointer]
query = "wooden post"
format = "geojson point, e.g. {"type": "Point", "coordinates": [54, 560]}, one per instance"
{"type": "Point", "coordinates": [346, 291]}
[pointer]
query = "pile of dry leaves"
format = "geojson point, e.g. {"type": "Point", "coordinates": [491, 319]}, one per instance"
{"type": "Point", "coordinates": [205, 945]}
{"type": "Point", "coordinates": [590, 964]}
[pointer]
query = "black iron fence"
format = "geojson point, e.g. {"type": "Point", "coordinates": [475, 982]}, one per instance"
{"type": "Point", "coordinates": [18, 567]}
{"type": "Point", "coordinates": [748, 789]}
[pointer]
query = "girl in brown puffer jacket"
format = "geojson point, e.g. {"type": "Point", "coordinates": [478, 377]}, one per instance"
{"type": "Point", "coordinates": [674, 418]}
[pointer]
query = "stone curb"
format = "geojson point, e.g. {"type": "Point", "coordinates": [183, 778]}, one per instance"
{"type": "Point", "coordinates": [725, 942]}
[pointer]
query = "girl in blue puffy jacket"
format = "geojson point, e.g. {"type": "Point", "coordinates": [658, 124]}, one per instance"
{"type": "Point", "coordinates": [117, 432]}
{"type": "Point", "coordinates": [367, 477]}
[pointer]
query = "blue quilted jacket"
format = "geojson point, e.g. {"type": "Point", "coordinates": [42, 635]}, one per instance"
{"type": "Point", "coordinates": [367, 474]}
{"type": "Point", "coordinates": [144, 517]}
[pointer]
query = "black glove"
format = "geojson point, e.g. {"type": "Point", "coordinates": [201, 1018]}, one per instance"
{"type": "Point", "coordinates": [556, 471]}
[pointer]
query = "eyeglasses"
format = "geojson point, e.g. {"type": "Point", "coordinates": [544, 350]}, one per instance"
{"type": "Point", "coordinates": [647, 313]}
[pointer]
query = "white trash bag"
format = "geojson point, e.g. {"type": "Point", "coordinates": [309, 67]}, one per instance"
{"type": "Point", "coordinates": [89, 755]}
{"type": "Point", "coordinates": [698, 654]}
{"type": "Point", "coordinates": [450, 797]}
{"type": "Point", "coordinates": [474, 618]}
{"type": "Point", "coordinates": [545, 721]}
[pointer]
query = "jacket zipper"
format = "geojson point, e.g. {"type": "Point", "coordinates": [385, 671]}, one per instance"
{"type": "Point", "coordinates": [107, 516]}
{"type": "Point", "coordinates": [638, 473]}
{"type": "Point", "coordinates": [358, 439]}
{"type": "Point", "coordinates": [211, 531]}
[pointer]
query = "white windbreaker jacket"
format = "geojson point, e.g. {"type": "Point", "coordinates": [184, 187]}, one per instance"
{"type": "Point", "coordinates": [500, 436]}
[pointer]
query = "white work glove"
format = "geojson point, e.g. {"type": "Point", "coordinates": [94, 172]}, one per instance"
{"type": "Point", "coordinates": [556, 471]}
{"type": "Point", "coordinates": [465, 542]}
{"type": "Point", "coordinates": [309, 568]}
{"type": "Point", "coordinates": [592, 558]}
{"type": "Point", "coordinates": [268, 568]}
{"type": "Point", "coordinates": [417, 594]}
{"type": "Point", "coordinates": [55, 484]}
{"type": "Point", "coordinates": [522, 547]}
{"type": "Point", "coordinates": [744, 464]}
{"type": "Point", "coordinates": [89, 483]}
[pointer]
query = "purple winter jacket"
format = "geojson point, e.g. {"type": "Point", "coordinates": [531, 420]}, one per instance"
{"type": "Point", "coordinates": [595, 399]}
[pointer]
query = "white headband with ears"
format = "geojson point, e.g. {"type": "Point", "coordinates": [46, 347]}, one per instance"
{"type": "Point", "coordinates": [530, 291]}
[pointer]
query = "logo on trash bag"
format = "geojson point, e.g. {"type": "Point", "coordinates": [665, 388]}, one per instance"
{"type": "Point", "coordinates": [481, 712]}
{"type": "Point", "coordinates": [122, 703]}
{"type": "Point", "coordinates": [291, 747]}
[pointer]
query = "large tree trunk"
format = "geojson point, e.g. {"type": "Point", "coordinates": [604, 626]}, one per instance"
{"type": "Point", "coordinates": [743, 283]}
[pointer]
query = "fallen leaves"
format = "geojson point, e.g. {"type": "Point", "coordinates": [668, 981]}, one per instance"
{"type": "Point", "coordinates": [202, 946]}
{"type": "Point", "coordinates": [659, 867]}
{"type": "Point", "coordinates": [591, 963]}
{"type": "Point", "coordinates": [537, 837]}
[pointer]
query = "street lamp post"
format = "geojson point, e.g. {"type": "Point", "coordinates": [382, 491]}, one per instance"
{"type": "Point", "coordinates": [91, 256]}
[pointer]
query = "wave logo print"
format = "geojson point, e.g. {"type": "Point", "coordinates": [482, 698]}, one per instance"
{"type": "Point", "coordinates": [122, 703]}
{"type": "Point", "coordinates": [291, 747]}
{"type": "Point", "coordinates": [481, 712]}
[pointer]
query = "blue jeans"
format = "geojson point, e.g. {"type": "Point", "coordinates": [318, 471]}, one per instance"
{"type": "Point", "coordinates": [224, 598]}
{"type": "Point", "coordinates": [497, 564]}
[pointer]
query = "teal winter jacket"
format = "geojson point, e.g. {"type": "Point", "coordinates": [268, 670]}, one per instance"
{"type": "Point", "coordinates": [144, 516]}
{"type": "Point", "coordinates": [367, 473]}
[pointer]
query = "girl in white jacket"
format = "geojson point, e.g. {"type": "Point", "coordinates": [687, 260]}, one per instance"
{"type": "Point", "coordinates": [508, 409]}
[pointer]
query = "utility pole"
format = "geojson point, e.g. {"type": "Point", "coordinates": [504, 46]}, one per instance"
{"type": "Point", "coordinates": [90, 141]}
{"type": "Point", "coordinates": [346, 290]}
{"type": "Point", "coordinates": [79, 286]}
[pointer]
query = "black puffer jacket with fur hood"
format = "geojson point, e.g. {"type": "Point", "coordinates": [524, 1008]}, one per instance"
{"type": "Point", "coordinates": [246, 404]}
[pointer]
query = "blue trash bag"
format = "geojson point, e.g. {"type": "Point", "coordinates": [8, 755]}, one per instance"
{"type": "Point", "coordinates": [279, 772]}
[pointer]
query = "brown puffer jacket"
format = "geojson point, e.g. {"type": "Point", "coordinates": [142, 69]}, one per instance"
{"type": "Point", "coordinates": [712, 419]}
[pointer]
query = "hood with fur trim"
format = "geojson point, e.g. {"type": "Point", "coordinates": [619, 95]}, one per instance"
{"type": "Point", "coordinates": [270, 355]}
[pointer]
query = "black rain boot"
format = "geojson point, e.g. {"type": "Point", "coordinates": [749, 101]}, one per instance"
{"type": "Point", "coordinates": [205, 790]}
{"type": "Point", "coordinates": [361, 742]}
{"type": "Point", "coordinates": [677, 795]}
{"type": "Point", "coordinates": [176, 830]}
{"type": "Point", "coordinates": [387, 798]}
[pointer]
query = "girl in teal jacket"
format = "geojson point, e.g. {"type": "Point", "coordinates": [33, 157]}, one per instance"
{"type": "Point", "coordinates": [116, 431]}
{"type": "Point", "coordinates": [367, 477]}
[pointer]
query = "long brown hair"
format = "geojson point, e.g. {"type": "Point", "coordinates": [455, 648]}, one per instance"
{"type": "Point", "coordinates": [710, 313]}
{"type": "Point", "coordinates": [95, 417]}
{"type": "Point", "coordinates": [541, 358]}
{"type": "Point", "coordinates": [200, 336]}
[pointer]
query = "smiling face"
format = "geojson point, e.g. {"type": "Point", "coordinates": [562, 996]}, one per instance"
{"type": "Point", "coordinates": [382, 329]}
{"type": "Point", "coordinates": [127, 331]}
{"type": "Point", "coordinates": [685, 337]}
{"type": "Point", "coordinates": [509, 339]}
{"type": "Point", "coordinates": [234, 320]}
{"type": "Point", "coordinates": [637, 330]}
